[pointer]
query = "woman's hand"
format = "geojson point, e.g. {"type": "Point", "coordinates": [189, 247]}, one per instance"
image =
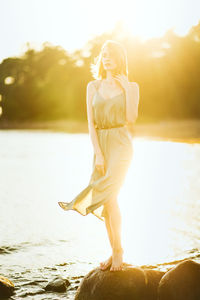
{"type": "Point", "coordinates": [100, 163]}
{"type": "Point", "coordinates": [123, 80]}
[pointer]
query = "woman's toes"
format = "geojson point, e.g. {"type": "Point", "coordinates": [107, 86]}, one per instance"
{"type": "Point", "coordinates": [112, 268]}
{"type": "Point", "coordinates": [105, 264]}
{"type": "Point", "coordinates": [115, 269]}
{"type": "Point", "coordinates": [103, 267]}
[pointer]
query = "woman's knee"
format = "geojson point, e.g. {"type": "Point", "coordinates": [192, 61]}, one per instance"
{"type": "Point", "coordinates": [111, 207]}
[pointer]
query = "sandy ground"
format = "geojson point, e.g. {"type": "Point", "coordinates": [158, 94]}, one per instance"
{"type": "Point", "coordinates": [181, 131]}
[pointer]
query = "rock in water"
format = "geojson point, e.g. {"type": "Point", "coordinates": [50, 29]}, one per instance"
{"type": "Point", "coordinates": [181, 282]}
{"type": "Point", "coordinates": [129, 283]}
{"type": "Point", "coordinates": [57, 285]}
{"type": "Point", "coordinates": [6, 287]}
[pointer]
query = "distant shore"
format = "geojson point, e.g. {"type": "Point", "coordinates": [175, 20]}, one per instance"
{"type": "Point", "coordinates": [180, 131]}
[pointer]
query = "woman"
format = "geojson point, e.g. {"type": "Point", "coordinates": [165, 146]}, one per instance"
{"type": "Point", "coordinates": [112, 108]}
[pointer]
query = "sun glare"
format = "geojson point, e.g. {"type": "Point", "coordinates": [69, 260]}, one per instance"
{"type": "Point", "coordinates": [149, 19]}
{"type": "Point", "coordinates": [141, 18]}
{"type": "Point", "coordinates": [149, 200]}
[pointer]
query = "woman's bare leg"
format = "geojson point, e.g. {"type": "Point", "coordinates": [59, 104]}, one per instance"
{"type": "Point", "coordinates": [115, 224]}
{"type": "Point", "coordinates": [107, 262]}
{"type": "Point", "coordinates": [109, 231]}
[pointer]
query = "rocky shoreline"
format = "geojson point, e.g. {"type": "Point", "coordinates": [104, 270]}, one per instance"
{"type": "Point", "coordinates": [41, 283]}
{"type": "Point", "coordinates": [179, 282]}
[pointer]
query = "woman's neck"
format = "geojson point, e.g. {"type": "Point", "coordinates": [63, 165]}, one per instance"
{"type": "Point", "coordinates": [109, 78]}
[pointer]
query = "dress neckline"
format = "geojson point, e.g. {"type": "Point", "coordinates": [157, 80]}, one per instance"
{"type": "Point", "coordinates": [109, 97]}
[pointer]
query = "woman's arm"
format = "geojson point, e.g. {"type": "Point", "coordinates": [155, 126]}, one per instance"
{"type": "Point", "coordinates": [132, 97]}
{"type": "Point", "coordinates": [92, 130]}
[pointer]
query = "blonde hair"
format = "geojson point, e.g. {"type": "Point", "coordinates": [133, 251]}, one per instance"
{"type": "Point", "coordinates": [119, 54]}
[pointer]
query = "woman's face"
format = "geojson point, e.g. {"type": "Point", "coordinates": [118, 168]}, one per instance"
{"type": "Point", "coordinates": [107, 59]}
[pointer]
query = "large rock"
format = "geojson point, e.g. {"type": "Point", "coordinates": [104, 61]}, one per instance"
{"type": "Point", "coordinates": [153, 278]}
{"type": "Point", "coordinates": [181, 282]}
{"type": "Point", "coordinates": [130, 283]}
{"type": "Point", "coordinates": [6, 287]}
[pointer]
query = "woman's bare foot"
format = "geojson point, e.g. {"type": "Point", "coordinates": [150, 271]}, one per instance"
{"type": "Point", "coordinates": [105, 264]}
{"type": "Point", "coordinates": [117, 260]}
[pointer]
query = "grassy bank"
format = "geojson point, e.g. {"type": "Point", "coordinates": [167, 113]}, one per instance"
{"type": "Point", "coordinates": [182, 131]}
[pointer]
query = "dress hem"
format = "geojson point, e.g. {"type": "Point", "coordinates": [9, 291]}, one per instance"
{"type": "Point", "coordinates": [82, 213]}
{"type": "Point", "coordinates": [85, 192]}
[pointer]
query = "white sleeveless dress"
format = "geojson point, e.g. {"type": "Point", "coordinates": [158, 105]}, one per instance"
{"type": "Point", "coordinates": [117, 148]}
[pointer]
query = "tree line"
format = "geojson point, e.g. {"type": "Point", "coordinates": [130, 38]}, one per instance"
{"type": "Point", "coordinates": [50, 84]}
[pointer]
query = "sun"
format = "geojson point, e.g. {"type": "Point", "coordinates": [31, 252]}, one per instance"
{"type": "Point", "coordinates": [149, 19]}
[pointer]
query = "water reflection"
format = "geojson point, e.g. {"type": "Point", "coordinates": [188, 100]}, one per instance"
{"type": "Point", "coordinates": [159, 202]}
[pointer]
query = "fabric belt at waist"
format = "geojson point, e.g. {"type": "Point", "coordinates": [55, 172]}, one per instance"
{"type": "Point", "coordinates": [116, 126]}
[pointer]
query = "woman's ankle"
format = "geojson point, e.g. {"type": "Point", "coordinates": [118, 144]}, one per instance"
{"type": "Point", "coordinates": [118, 250]}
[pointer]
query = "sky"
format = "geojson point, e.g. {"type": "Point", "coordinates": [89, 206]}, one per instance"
{"type": "Point", "coordinates": [71, 24]}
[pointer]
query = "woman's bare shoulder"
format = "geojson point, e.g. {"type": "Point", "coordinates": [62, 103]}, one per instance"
{"type": "Point", "coordinates": [93, 83]}
{"type": "Point", "coordinates": [92, 87]}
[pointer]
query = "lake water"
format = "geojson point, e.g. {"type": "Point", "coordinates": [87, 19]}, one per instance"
{"type": "Point", "coordinates": [159, 202]}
